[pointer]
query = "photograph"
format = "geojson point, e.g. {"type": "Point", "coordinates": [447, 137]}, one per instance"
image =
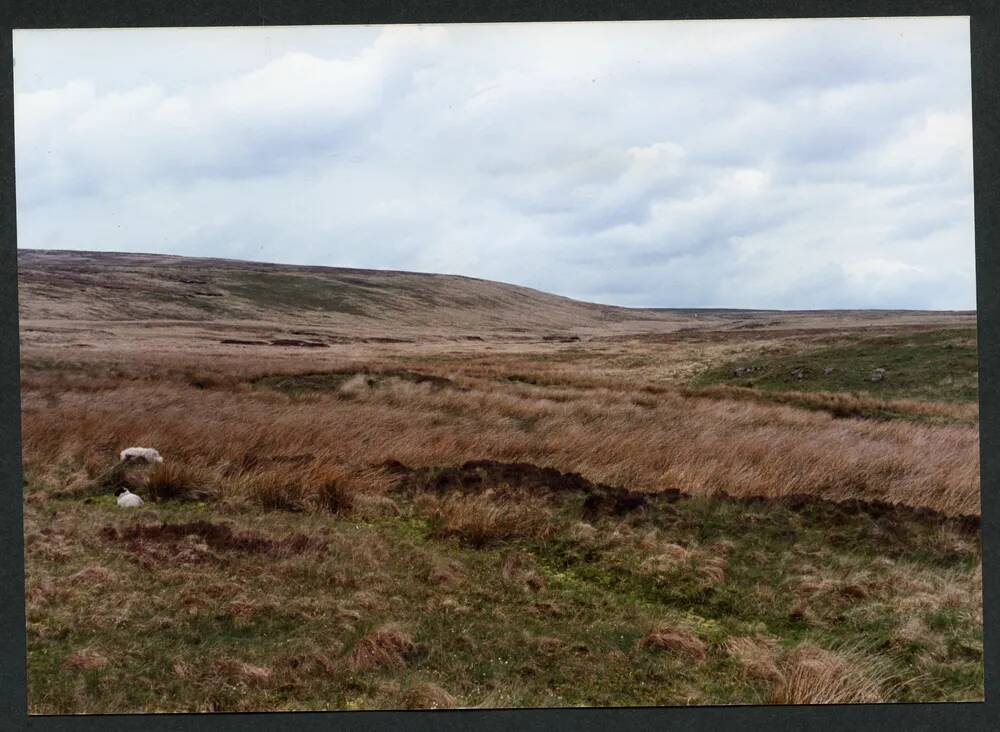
{"type": "Point", "coordinates": [524, 365]}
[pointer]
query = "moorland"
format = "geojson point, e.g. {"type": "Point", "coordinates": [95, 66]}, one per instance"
{"type": "Point", "coordinates": [401, 490]}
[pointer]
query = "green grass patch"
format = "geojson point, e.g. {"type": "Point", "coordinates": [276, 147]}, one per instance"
{"type": "Point", "coordinates": [939, 365]}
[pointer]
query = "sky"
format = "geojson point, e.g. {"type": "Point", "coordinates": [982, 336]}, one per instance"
{"type": "Point", "coordinates": [791, 164]}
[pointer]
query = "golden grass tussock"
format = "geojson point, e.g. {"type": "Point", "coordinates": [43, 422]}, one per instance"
{"type": "Point", "coordinates": [178, 481]}
{"type": "Point", "coordinates": [370, 507]}
{"type": "Point", "coordinates": [94, 574]}
{"type": "Point", "coordinates": [712, 570]}
{"type": "Point", "coordinates": [37, 594]}
{"type": "Point", "coordinates": [243, 611]}
{"type": "Point", "coordinates": [481, 519]}
{"type": "Point", "coordinates": [425, 695]}
{"type": "Point", "coordinates": [442, 573]}
{"type": "Point", "coordinates": [333, 493]}
{"type": "Point", "coordinates": [308, 664]}
{"type": "Point", "coordinates": [675, 640]}
{"type": "Point", "coordinates": [385, 647]}
{"type": "Point", "coordinates": [812, 675]}
{"type": "Point", "coordinates": [254, 673]}
{"type": "Point", "coordinates": [241, 672]}
{"type": "Point", "coordinates": [757, 656]}
{"type": "Point", "coordinates": [270, 489]}
{"type": "Point", "coordinates": [582, 532]}
{"type": "Point", "coordinates": [915, 632]}
{"type": "Point", "coordinates": [520, 570]}
{"type": "Point", "coordinates": [86, 659]}
{"type": "Point", "coordinates": [668, 556]}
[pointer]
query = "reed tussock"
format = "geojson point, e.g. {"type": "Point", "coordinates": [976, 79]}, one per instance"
{"type": "Point", "coordinates": [812, 675]}
{"type": "Point", "coordinates": [179, 481]}
{"type": "Point", "coordinates": [333, 492]}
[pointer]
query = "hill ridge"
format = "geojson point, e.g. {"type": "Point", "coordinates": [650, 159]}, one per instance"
{"type": "Point", "coordinates": [80, 285]}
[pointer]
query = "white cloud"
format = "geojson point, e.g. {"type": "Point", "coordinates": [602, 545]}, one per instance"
{"type": "Point", "coordinates": [745, 163]}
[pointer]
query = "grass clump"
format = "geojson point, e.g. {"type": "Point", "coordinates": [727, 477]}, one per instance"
{"type": "Point", "coordinates": [175, 481]}
{"type": "Point", "coordinates": [335, 495]}
{"type": "Point", "coordinates": [675, 640]}
{"type": "Point", "coordinates": [482, 519]}
{"type": "Point", "coordinates": [425, 695]}
{"type": "Point", "coordinates": [385, 647]}
{"type": "Point", "coordinates": [812, 675]}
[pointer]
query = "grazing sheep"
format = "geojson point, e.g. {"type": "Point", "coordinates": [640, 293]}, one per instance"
{"type": "Point", "coordinates": [140, 455]}
{"type": "Point", "coordinates": [127, 499]}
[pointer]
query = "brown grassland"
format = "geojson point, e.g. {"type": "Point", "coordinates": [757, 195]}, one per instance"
{"type": "Point", "coordinates": [387, 490]}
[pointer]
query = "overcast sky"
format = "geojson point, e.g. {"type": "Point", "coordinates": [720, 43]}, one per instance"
{"type": "Point", "coordinates": [771, 164]}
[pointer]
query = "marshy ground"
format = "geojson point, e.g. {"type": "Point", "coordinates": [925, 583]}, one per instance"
{"type": "Point", "coordinates": [684, 508]}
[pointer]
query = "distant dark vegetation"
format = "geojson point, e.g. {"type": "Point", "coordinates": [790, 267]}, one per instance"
{"type": "Point", "coordinates": [284, 292]}
{"type": "Point", "coordinates": [332, 381]}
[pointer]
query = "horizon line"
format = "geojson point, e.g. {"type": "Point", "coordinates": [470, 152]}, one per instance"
{"type": "Point", "coordinates": [500, 282]}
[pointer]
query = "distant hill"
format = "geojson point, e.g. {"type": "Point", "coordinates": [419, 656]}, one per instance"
{"type": "Point", "coordinates": [115, 287]}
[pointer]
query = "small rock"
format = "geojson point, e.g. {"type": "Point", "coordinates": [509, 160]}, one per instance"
{"type": "Point", "coordinates": [828, 370]}
{"type": "Point", "coordinates": [878, 375]}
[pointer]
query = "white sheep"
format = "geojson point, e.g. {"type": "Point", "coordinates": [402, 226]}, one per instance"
{"type": "Point", "coordinates": [140, 455]}
{"type": "Point", "coordinates": [128, 499]}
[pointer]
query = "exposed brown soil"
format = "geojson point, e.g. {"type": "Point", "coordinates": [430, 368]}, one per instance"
{"type": "Point", "coordinates": [510, 478]}
{"type": "Point", "coordinates": [208, 537]}
{"type": "Point", "coordinates": [887, 515]}
{"type": "Point", "coordinates": [298, 343]}
{"type": "Point", "coordinates": [607, 500]}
